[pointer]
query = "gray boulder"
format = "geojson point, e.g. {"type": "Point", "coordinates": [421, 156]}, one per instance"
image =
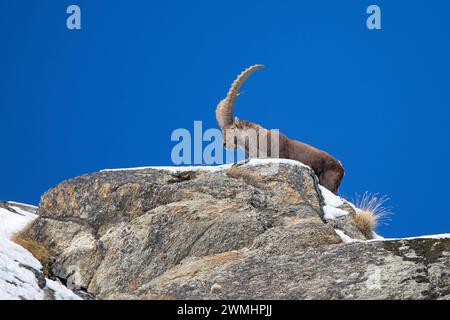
{"type": "Point", "coordinates": [248, 231]}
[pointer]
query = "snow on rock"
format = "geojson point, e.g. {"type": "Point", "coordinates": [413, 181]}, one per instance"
{"type": "Point", "coordinates": [257, 162]}
{"type": "Point", "coordinates": [175, 168]}
{"type": "Point", "coordinates": [22, 206]}
{"type": "Point", "coordinates": [330, 198]}
{"type": "Point", "coordinates": [433, 236]}
{"type": "Point", "coordinates": [345, 238]}
{"type": "Point", "coordinates": [16, 281]}
{"type": "Point", "coordinates": [333, 213]}
{"type": "Point", "coordinates": [332, 202]}
{"type": "Point", "coordinates": [61, 292]}
{"type": "Point", "coordinates": [11, 222]}
{"type": "Point", "coordinates": [250, 162]}
{"type": "Point", "coordinates": [376, 236]}
{"type": "Point", "coordinates": [18, 267]}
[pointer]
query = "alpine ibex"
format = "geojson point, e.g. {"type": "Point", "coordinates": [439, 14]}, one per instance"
{"type": "Point", "coordinates": [242, 133]}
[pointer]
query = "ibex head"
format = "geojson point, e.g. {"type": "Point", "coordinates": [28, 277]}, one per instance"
{"type": "Point", "coordinates": [224, 113]}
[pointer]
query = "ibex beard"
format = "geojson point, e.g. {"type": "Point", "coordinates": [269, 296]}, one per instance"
{"type": "Point", "coordinates": [258, 142]}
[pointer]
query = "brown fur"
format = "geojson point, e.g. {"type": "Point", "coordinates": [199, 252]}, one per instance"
{"type": "Point", "coordinates": [328, 169]}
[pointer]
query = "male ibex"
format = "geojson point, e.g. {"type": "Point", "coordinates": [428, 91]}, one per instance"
{"type": "Point", "coordinates": [328, 169]}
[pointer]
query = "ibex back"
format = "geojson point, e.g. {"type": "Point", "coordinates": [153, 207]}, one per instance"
{"type": "Point", "coordinates": [327, 168]}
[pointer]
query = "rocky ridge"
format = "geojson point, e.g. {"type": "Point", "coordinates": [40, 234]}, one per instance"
{"type": "Point", "coordinates": [263, 229]}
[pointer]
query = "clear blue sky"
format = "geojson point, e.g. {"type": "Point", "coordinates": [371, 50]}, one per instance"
{"type": "Point", "coordinates": [110, 95]}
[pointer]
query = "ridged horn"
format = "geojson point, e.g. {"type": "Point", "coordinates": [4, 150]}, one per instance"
{"type": "Point", "coordinates": [224, 110]}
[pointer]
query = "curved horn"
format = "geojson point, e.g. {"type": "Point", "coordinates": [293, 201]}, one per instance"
{"type": "Point", "coordinates": [223, 119]}
{"type": "Point", "coordinates": [224, 110]}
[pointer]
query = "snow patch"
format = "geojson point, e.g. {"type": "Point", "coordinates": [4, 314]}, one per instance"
{"type": "Point", "coordinates": [21, 211]}
{"type": "Point", "coordinates": [17, 281]}
{"type": "Point", "coordinates": [251, 162]}
{"type": "Point", "coordinates": [174, 169]}
{"type": "Point", "coordinates": [332, 202]}
{"type": "Point", "coordinates": [330, 198]}
{"type": "Point", "coordinates": [257, 162]}
{"type": "Point", "coordinates": [22, 204]}
{"type": "Point", "coordinates": [376, 236]}
{"type": "Point", "coordinates": [61, 292]}
{"type": "Point", "coordinates": [11, 222]}
{"type": "Point", "coordinates": [345, 238]}
{"type": "Point", "coordinates": [330, 213]}
{"type": "Point", "coordinates": [433, 236]}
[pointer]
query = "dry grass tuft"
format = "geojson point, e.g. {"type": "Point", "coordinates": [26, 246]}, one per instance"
{"type": "Point", "coordinates": [366, 222]}
{"type": "Point", "coordinates": [37, 249]}
{"type": "Point", "coordinates": [371, 212]}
